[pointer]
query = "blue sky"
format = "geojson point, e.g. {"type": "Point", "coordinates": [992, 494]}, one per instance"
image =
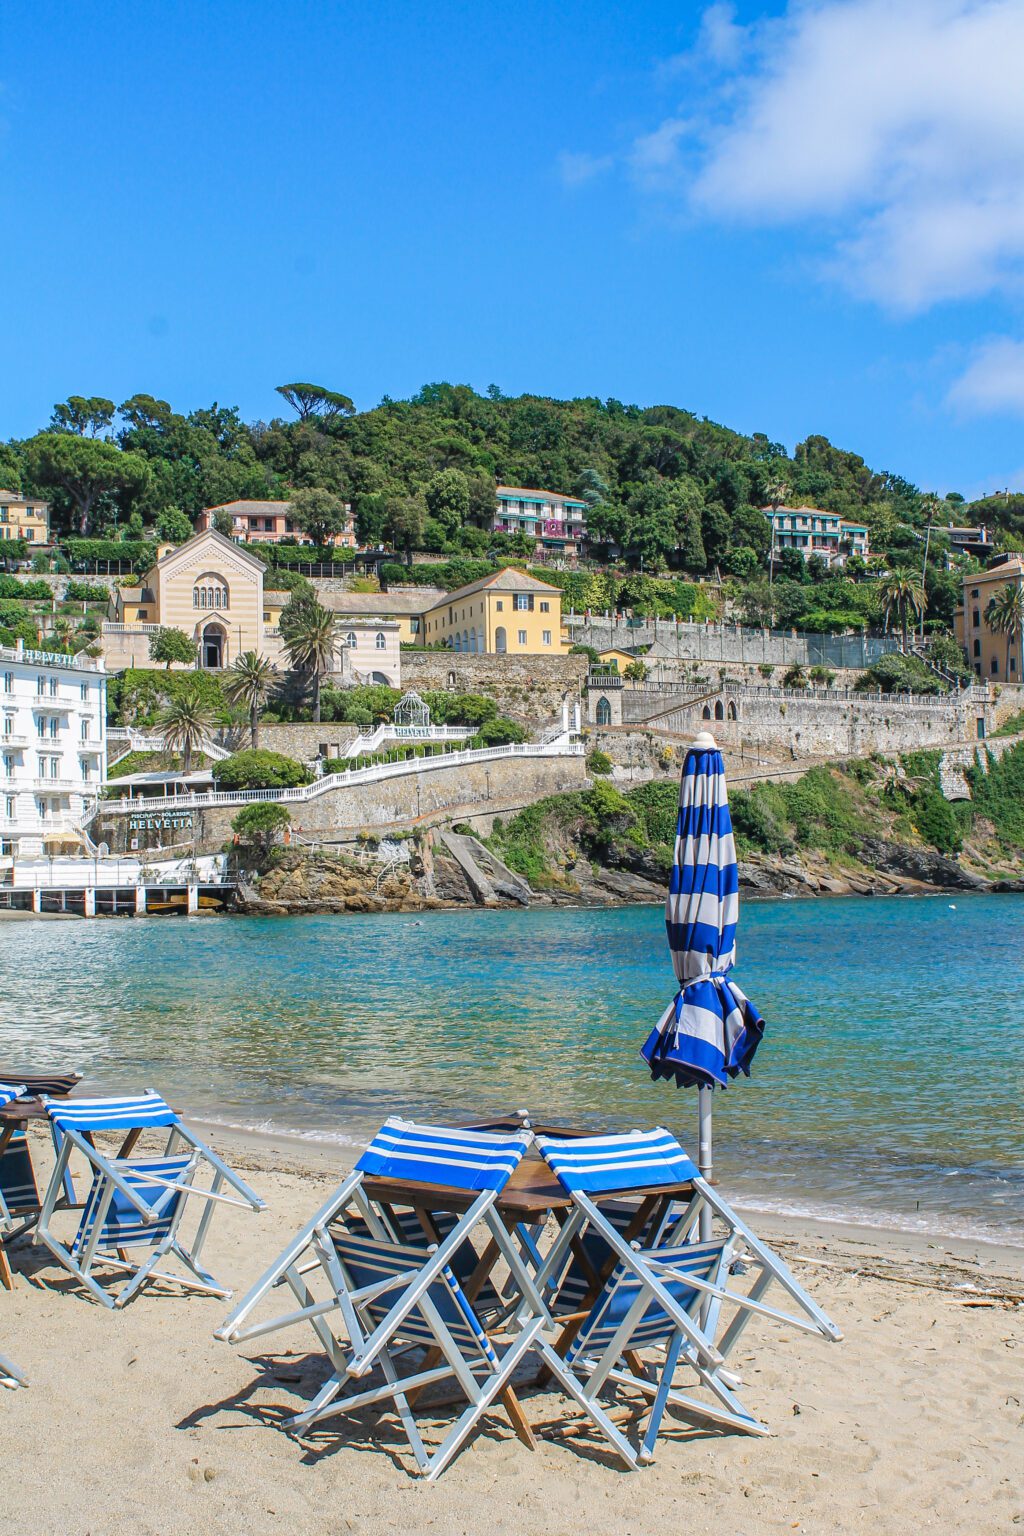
{"type": "Point", "coordinates": [793, 219]}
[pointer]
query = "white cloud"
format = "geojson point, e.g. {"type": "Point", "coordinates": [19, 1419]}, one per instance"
{"type": "Point", "coordinates": [893, 131]}
{"type": "Point", "coordinates": [993, 381]}
{"type": "Point", "coordinates": [577, 169]}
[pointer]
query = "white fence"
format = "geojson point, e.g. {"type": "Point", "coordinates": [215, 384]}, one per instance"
{"type": "Point", "coordinates": [331, 781]}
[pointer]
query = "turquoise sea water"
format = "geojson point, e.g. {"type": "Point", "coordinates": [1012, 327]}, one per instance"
{"type": "Point", "coordinates": [889, 1086]}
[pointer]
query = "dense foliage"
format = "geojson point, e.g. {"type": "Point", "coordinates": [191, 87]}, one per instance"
{"type": "Point", "coordinates": [259, 770]}
{"type": "Point", "coordinates": [665, 488]}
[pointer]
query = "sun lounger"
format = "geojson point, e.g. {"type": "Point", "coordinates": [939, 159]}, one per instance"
{"type": "Point", "coordinates": [665, 1292]}
{"type": "Point", "coordinates": [389, 1297]}
{"type": "Point", "coordinates": [133, 1201]}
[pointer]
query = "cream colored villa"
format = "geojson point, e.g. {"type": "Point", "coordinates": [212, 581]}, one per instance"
{"type": "Point", "coordinates": [213, 590]}
{"type": "Point", "coordinates": [24, 517]}
{"type": "Point", "coordinates": [508, 613]}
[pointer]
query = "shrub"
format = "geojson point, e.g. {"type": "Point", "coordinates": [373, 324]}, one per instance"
{"type": "Point", "coordinates": [599, 762]}
{"type": "Point", "coordinates": [937, 822]}
{"type": "Point", "coordinates": [757, 821]}
{"type": "Point", "coordinates": [896, 673]}
{"type": "Point", "coordinates": [85, 592]}
{"type": "Point", "coordinates": [794, 678]}
{"type": "Point", "coordinates": [137, 696]}
{"type": "Point", "coordinates": [500, 733]}
{"type": "Point", "coordinates": [260, 770]}
{"type": "Point", "coordinates": [259, 826]}
{"type": "Point", "coordinates": [766, 669]}
{"type": "Point", "coordinates": [585, 650]}
{"type": "Point", "coordinates": [823, 675]}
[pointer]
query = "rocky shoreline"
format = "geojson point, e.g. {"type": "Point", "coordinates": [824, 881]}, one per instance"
{"type": "Point", "coordinates": [431, 879]}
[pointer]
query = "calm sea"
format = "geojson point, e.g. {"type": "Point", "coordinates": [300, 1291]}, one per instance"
{"type": "Point", "coordinates": [889, 1086]}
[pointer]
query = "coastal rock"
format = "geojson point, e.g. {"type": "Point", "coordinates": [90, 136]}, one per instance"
{"type": "Point", "coordinates": [922, 865]}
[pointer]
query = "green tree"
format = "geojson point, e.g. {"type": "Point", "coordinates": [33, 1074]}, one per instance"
{"type": "Point", "coordinates": [173, 526]}
{"type": "Point", "coordinates": [1005, 614]}
{"type": "Point", "coordinates": [82, 414]}
{"type": "Point", "coordinates": [636, 671]}
{"type": "Point", "coordinates": [185, 724]}
{"type": "Point", "coordinates": [247, 685]}
{"type": "Point", "coordinates": [307, 629]}
{"type": "Point", "coordinates": [447, 498]}
{"type": "Point", "coordinates": [259, 827]}
{"type": "Point", "coordinates": [319, 513]}
{"type": "Point", "coordinates": [312, 400]}
{"type": "Point", "coordinates": [405, 525]}
{"type": "Point", "coordinates": [224, 522]}
{"type": "Point", "coordinates": [169, 645]}
{"type": "Point", "coordinates": [85, 469]}
{"type": "Point", "coordinates": [902, 596]}
{"type": "Point", "coordinates": [259, 770]}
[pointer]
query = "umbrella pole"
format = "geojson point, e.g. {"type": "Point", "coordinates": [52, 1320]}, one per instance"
{"type": "Point", "coordinates": [704, 1153]}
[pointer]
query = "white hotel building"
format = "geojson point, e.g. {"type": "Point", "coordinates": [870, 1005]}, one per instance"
{"type": "Point", "coordinates": [53, 749]}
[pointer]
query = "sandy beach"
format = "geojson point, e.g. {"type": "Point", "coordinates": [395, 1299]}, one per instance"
{"type": "Point", "coordinates": [140, 1422]}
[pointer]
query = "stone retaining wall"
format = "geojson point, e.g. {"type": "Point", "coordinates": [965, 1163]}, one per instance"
{"type": "Point", "coordinates": [529, 689]}
{"type": "Point", "coordinates": [402, 799]}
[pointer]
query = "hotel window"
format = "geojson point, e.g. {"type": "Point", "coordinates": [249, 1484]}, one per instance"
{"type": "Point", "coordinates": [10, 806]}
{"type": "Point", "coordinates": [8, 682]}
{"type": "Point", "coordinates": [85, 730]}
{"type": "Point", "coordinates": [522, 637]}
{"type": "Point", "coordinates": [41, 808]}
{"type": "Point", "coordinates": [84, 690]}
{"type": "Point", "coordinates": [8, 765]}
{"type": "Point", "coordinates": [40, 685]}
{"type": "Point", "coordinates": [381, 641]}
{"type": "Point", "coordinates": [546, 637]}
{"type": "Point", "coordinates": [54, 727]}
{"type": "Point", "coordinates": [86, 769]}
{"type": "Point", "coordinates": [54, 767]}
{"type": "Point", "coordinates": [53, 687]}
{"type": "Point", "coordinates": [41, 727]}
{"type": "Point", "coordinates": [8, 725]}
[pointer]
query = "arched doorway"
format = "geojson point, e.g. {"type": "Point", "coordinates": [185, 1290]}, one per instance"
{"type": "Point", "coordinates": [719, 711]}
{"type": "Point", "coordinates": [706, 712]}
{"type": "Point", "coordinates": [732, 710]}
{"type": "Point", "coordinates": [499, 640]}
{"type": "Point", "coordinates": [213, 647]}
{"type": "Point", "coordinates": [604, 711]}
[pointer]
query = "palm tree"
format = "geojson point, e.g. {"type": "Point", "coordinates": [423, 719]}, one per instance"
{"type": "Point", "coordinates": [185, 724]}
{"type": "Point", "coordinates": [902, 594]}
{"type": "Point", "coordinates": [307, 629]}
{"type": "Point", "coordinates": [248, 684]}
{"type": "Point", "coordinates": [1005, 614]}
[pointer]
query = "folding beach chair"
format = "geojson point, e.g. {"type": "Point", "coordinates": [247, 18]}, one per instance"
{"type": "Point", "coordinates": [20, 1200]}
{"type": "Point", "coordinates": [134, 1201]}
{"type": "Point", "coordinates": [390, 1297]}
{"type": "Point", "coordinates": [616, 1295]}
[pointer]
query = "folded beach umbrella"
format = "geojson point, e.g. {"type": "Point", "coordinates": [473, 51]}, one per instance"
{"type": "Point", "coordinates": [709, 1032]}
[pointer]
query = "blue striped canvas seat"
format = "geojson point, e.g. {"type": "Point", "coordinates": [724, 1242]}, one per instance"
{"type": "Point", "coordinates": [18, 1188]}
{"type": "Point", "coordinates": [437, 1154]}
{"type": "Point", "coordinates": [368, 1261]}
{"type": "Point", "coordinates": [575, 1290]}
{"type": "Point", "coordinates": [9, 1092]}
{"type": "Point", "coordinates": [624, 1286]}
{"type": "Point", "coordinates": [410, 1228]}
{"type": "Point", "coordinates": [123, 1225]}
{"type": "Point", "coordinates": [89, 1116]}
{"type": "Point", "coordinates": [598, 1165]}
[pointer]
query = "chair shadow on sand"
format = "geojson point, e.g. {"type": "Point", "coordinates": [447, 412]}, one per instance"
{"type": "Point", "coordinates": [378, 1430]}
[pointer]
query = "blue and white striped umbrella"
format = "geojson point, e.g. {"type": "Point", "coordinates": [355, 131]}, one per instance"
{"type": "Point", "coordinates": [710, 1031]}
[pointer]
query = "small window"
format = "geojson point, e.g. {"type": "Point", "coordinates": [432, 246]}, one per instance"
{"type": "Point", "coordinates": [381, 641]}
{"type": "Point", "coordinates": [522, 637]}
{"type": "Point", "coordinates": [974, 591]}
{"type": "Point", "coordinates": [85, 730]}
{"type": "Point", "coordinates": [545, 607]}
{"type": "Point", "coordinates": [8, 682]}
{"type": "Point", "coordinates": [977, 647]}
{"type": "Point", "coordinates": [54, 724]}
{"type": "Point", "coordinates": [604, 712]}
{"type": "Point", "coordinates": [1013, 663]}
{"type": "Point", "coordinates": [995, 666]}
{"type": "Point", "coordinates": [40, 685]}
{"type": "Point", "coordinates": [350, 639]}
{"type": "Point", "coordinates": [500, 606]}
{"type": "Point", "coordinates": [976, 618]}
{"type": "Point", "coordinates": [8, 725]}
{"type": "Point", "coordinates": [10, 805]}
{"type": "Point", "coordinates": [84, 691]}
{"type": "Point", "coordinates": [53, 687]}
{"type": "Point", "coordinates": [546, 637]}
{"type": "Point", "coordinates": [143, 615]}
{"type": "Point", "coordinates": [41, 728]}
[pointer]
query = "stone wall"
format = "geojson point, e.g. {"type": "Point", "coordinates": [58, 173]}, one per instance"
{"type": "Point", "coordinates": [733, 643]}
{"type": "Point", "coordinates": [300, 741]}
{"type": "Point", "coordinates": [504, 785]}
{"type": "Point", "coordinates": [815, 722]}
{"type": "Point", "coordinates": [529, 689]}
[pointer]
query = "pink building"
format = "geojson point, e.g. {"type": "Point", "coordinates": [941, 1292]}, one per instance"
{"type": "Point", "coordinates": [268, 522]}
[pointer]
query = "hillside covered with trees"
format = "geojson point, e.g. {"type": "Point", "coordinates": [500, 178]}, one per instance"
{"type": "Point", "coordinates": [668, 491]}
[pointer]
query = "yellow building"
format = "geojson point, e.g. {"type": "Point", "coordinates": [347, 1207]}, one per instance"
{"type": "Point", "coordinates": [405, 607]}
{"type": "Point", "coordinates": [507, 613]}
{"type": "Point", "coordinates": [24, 517]}
{"type": "Point", "coordinates": [986, 647]}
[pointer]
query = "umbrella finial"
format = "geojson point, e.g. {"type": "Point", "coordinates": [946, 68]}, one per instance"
{"type": "Point", "coordinates": [705, 742]}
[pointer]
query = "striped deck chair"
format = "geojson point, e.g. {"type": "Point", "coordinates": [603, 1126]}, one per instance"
{"type": "Point", "coordinates": [390, 1298]}
{"type": "Point", "coordinates": [135, 1202]}
{"type": "Point", "coordinates": [667, 1273]}
{"type": "Point", "coordinates": [19, 1191]}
